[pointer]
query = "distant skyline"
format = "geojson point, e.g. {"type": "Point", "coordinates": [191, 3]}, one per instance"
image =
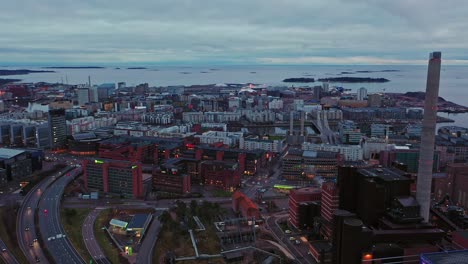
{"type": "Point", "coordinates": [224, 32]}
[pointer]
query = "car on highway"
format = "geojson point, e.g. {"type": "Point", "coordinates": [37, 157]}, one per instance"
{"type": "Point", "coordinates": [298, 242]}
{"type": "Point", "coordinates": [292, 238]}
{"type": "Point", "coordinates": [287, 231]}
{"type": "Point", "coordinates": [3, 249]}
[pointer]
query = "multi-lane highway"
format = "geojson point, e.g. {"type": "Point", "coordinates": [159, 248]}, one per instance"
{"type": "Point", "coordinates": [6, 254]}
{"type": "Point", "coordinates": [51, 229]}
{"type": "Point", "coordinates": [89, 239]}
{"type": "Point", "coordinates": [25, 229]}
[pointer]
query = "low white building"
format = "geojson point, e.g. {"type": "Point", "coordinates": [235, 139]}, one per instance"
{"type": "Point", "coordinates": [228, 138]}
{"type": "Point", "coordinates": [350, 152]}
{"type": "Point", "coordinates": [253, 143]}
{"type": "Point", "coordinates": [371, 146]}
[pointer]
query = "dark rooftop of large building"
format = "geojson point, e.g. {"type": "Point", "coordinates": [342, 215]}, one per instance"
{"type": "Point", "coordinates": [449, 257]}
{"type": "Point", "coordinates": [385, 174]}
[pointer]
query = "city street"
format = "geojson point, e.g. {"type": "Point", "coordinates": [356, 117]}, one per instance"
{"type": "Point", "coordinates": [299, 251]}
{"type": "Point", "coordinates": [145, 254]}
{"type": "Point", "coordinates": [26, 230]}
{"type": "Point", "coordinates": [89, 239]}
{"type": "Point", "coordinates": [6, 255]}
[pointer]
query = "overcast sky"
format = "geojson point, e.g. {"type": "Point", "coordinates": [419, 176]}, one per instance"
{"type": "Point", "coordinates": [233, 31]}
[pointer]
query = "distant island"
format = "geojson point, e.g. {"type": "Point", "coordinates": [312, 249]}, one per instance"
{"type": "Point", "coordinates": [5, 81]}
{"type": "Point", "coordinates": [136, 68]}
{"type": "Point", "coordinates": [354, 80]}
{"type": "Point", "coordinates": [299, 80]}
{"type": "Point", "coordinates": [19, 72]}
{"type": "Point", "coordinates": [354, 72]}
{"type": "Point", "coordinates": [74, 67]}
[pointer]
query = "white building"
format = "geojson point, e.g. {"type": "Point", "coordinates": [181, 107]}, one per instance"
{"type": "Point", "coordinates": [331, 114]}
{"type": "Point", "coordinates": [361, 94]}
{"type": "Point", "coordinates": [234, 102]}
{"type": "Point", "coordinates": [371, 146]}
{"type": "Point", "coordinates": [83, 96]}
{"type": "Point", "coordinates": [350, 152]}
{"type": "Point", "coordinates": [253, 143]}
{"type": "Point", "coordinates": [275, 104]}
{"type": "Point", "coordinates": [228, 138]}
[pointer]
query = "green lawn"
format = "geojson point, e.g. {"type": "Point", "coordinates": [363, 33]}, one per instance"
{"type": "Point", "coordinates": [72, 226]}
{"type": "Point", "coordinates": [110, 250]}
{"type": "Point", "coordinates": [8, 232]}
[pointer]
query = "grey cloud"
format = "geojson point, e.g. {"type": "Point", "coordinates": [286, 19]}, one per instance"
{"type": "Point", "coordinates": [208, 30]}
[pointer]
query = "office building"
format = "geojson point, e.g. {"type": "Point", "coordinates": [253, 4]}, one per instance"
{"type": "Point", "coordinates": [222, 174]}
{"type": "Point", "coordinates": [83, 96]}
{"type": "Point", "coordinates": [304, 166]}
{"type": "Point", "coordinates": [350, 133]}
{"type": "Point", "coordinates": [173, 176]}
{"type": "Point", "coordinates": [57, 128]}
{"type": "Point", "coordinates": [330, 203]}
{"type": "Point", "coordinates": [16, 163]}
{"type": "Point", "coordinates": [113, 177]}
{"type": "Point", "coordinates": [304, 205]}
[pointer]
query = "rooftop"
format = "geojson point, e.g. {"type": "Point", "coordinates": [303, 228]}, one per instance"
{"type": "Point", "coordinates": [445, 257]}
{"type": "Point", "coordinates": [138, 221]}
{"type": "Point", "coordinates": [386, 174]}
{"type": "Point", "coordinates": [6, 153]}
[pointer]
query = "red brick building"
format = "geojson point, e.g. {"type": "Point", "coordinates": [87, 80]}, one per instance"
{"type": "Point", "coordinates": [223, 174]}
{"type": "Point", "coordinates": [299, 201]}
{"type": "Point", "coordinates": [330, 203]}
{"type": "Point", "coordinates": [455, 184]}
{"type": "Point", "coordinates": [107, 176]}
{"type": "Point", "coordinates": [244, 206]}
{"type": "Point", "coordinates": [173, 176]}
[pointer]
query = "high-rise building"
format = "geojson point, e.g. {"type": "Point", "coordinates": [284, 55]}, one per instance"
{"type": "Point", "coordinates": [83, 95]}
{"type": "Point", "coordinates": [57, 128]}
{"type": "Point", "coordinates": [361, 94]}
{"type": "Point", "coordinates": [317, 92]}
{"type": "Point", "coordinates": [330, 203]}
{"type": "Point", "coordinates": [423, 189]}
